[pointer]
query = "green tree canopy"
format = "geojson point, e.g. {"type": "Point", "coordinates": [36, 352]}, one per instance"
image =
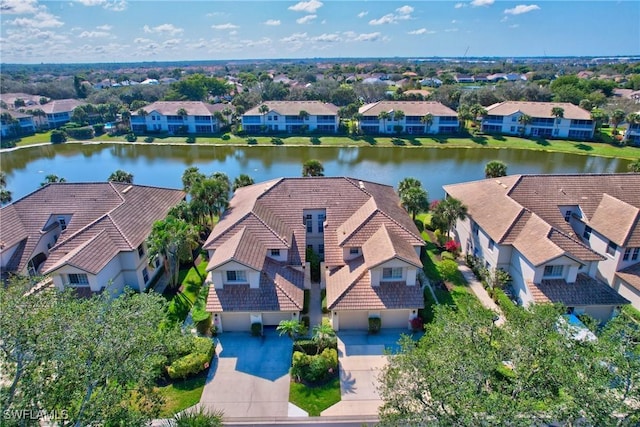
{"type": "Point", "coordinates": [121, 176]}
{"type": "Point", "coordinates": [242, 180]}
{"type": "Point", "coordinates": [52, 178]}
{"type": "Point", "coordinates": [415, 200]}
{"type": "Point", "coordinates": [312, 167]}
{"type": "Point", "coordinates": [446, 213]}
{"type": "Point", "coordinates": [495, 169]}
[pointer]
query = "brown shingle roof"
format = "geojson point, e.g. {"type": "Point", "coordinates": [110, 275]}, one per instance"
{"type": "Point", "coordinates": [193, 108]}
{"type": "Point", "coordinates": [240, 248]}
{"type": "Point", "coordinates": [538, 109]}
{"type": "Point", "coordinates": [61, 106]}
{"type": "Point", "coordinates": [360, 295]}
{"type": "Point", "coordinates": [625, 215]}
{"type": "Point", "coordinates": [410, 108]}
{"type": "Point", "coordinates": [384, 246]}
{"type": "Point", "coordinates": [585, 291]}
{"type": "Point", "coordinates": [631, 275]}
{"type": "Point", "coordinates": [293, 108]}
{"type": "Point", "coordinates": [124, 212]}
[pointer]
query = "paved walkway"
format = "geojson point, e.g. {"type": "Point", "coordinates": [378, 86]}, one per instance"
{"type": "Point", "coordinates": [315, 305]}
{"type": "Point", "coordinates": [480, 292]}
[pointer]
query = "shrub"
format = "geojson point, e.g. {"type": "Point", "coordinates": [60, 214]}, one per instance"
{"type": "Point", "coordinates": [375, 323]}
{"type": "Point", "coordinates": [204, 326]}
{"type": "Point", "coordinates": [204, 346]}
{"type": "Point", "coordinates": [256, 329]}
{"type": "Point", "coordinates": [225, 137]}
{"type": "Point", "coordinates": [277, 140]}
{"type": "Point", "coordinates": [315, 140]}
{"type": "Point", "coordinates": [448, 270]}
{"type": "Point", "coordinates": [316, 368]}
{"type": "Point", "coordinates": [99, 128]}
{"type": "Point", "coordinates": [441, 238]}
{"type": "Point", "coordinates": [86, 132]}
{"type": "Point", "coordinates": [131, 137]}
{"type": "Point", "coordinates": [504, 302]}
{"type": "Point", "coordinates": [252, 141]}
{"type": "Point", "coordinates": [8, 143]}
{"type": "Point", "coordinates": [189, 365]}
{"type": "Point", "coordinates": [429, 302]}
{"type": "Point", "coordinates": [191, 139]}
{"type": "Point", "coordinates": [417, 324]}
{"type": "Point", "coordinates": [58, 136]}
{"type": "Point", "coordinates": [453, 247]}
{"type": "Point", "coordinates": [149, 139]}
{"type": "Point", "coordinates": [447, 255]}
{"type": "Point", "coordinates": [306, 321]}
{"type": "Point", "coordinates": [308, 346]}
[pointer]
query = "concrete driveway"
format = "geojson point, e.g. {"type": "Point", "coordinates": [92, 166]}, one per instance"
{"type": "Point", "coordinates": [250, 377]}
{"type": "Point", "coordinates": [361, 357]}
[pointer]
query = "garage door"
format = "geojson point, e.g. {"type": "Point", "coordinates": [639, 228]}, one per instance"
{"type": "Point", "coordinates": [353, 320]}
{"type": "Point", "coordinates": [235, 322]}
{"type": "Point", "coordinates": [274, 318]}
{"type": "Point", "coordinates": [395, 318]}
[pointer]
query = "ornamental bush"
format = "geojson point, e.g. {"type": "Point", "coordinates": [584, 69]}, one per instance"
{"type": "Point", "coordinates": [58, 136]}
{"type": "Point", "coordinates": [131, 137]}
{"type": "Point", "coordinates": [85, 132]}
{"type": "Point", "coordinates": [189, 365]}
{"type": "Point", "coordinates": [315, 368]}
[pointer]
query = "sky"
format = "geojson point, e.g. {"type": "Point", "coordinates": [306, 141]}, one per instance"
{"type": "Point", "coordinates": [85, 31]}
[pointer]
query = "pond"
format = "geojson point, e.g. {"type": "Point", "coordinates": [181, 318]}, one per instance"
{"type": "Point", "coordinates": [163, 165]}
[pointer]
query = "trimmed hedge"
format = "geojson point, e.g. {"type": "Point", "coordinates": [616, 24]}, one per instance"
{"type": "Point", "coordinates": [311, 347]}
{"type": "Point", "coordinates": [317, 368]}
{"type": "Point", "coordinates": [504, 302]}
{"type": "Point", "coordinates": [58, 136]}
{"type": "Point", "coordinates": [189, 365]}
{"type": "Point", "coordinates": [85, 132]}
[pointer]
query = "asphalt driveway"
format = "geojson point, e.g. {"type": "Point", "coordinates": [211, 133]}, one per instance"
{"type": "Point", "coordinates": [250, 376]}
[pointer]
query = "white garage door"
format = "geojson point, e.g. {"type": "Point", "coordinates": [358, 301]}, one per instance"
{"type": "Point", "coordinates": [395, 319]}
{"type": "Point", "coordinates": [236, 322]}
{"type": "Point", "coordinates": [353, 320]}
{"type": "Point", "coordinates": [274, 318]}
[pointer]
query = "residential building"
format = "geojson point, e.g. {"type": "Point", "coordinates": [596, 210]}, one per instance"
{"type": "Point", "coordinates": [15, 123]}
{"type": "Point", "coordinates": [87, 236]}
{"type": "Point", "coordinates": [464, 78]}
{"type": "Point", "coordinates": [413, 120]}
{"type": "Point", "coordinates": [570, 239]}
{"type": "Point", "coordinates": [180, 117]}
{"type": "Point", "coordinates": [632, 134]}
{"type": "Point", "coordinates": [292, 117]}
{"type": "Point", "coordinates": [57, 112]}
{"type": "Point", "coordinates": [368, 244]}
{"type": "Point", "coordinates": [504, 117]}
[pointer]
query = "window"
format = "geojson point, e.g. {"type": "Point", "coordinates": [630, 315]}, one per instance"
{"type": "Point", "coordinates": [275, 252]}
{"type": "Point", "coordinates": [491, 244]}
{"type": "Point", "coordinates": [514, 118]}
{"type": "Point", "coordinates": [475, 229]}
{"type": "Point", "coordinates": [77, 279]}
{"type": "Point", "coordinates": [392, 273]}
{"type": "Point", "coordinates": [309, 223]}
{"type": "Point", "coordinates": [354, 251]}
{"type": "Point", "coordinates": [321, 249]}
{"type": "Point", "coordinates": [62, 222]}
{"type": "Point", "coordinates": [321, 219]}
{"type": "Point", "coordinates": [157, 263]}
{"type": "Point", "coordinates": [145, 275]}
{"type": "Point", "coordinates": [567, 216]}
{"type": "Point", "coordinates": [513, 128]}
{"type": "Point", "coordinates": [236, 276]}
{"type": "Point", "coordinates": [587, 232]}
{"type": "Point", "coordinates": [141, 250]}
{"type": "Point", "coordinates": [553, 271]}
{"type": "Point", "coordinates": [634, 256]}
{"type": "Point", "coordinates": [627, 254]}
{"type": "Point", "coordinates": [612, 248]}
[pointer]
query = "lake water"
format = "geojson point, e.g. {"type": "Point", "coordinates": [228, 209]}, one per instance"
{"type": "Point", "coordinates": [163, 165]}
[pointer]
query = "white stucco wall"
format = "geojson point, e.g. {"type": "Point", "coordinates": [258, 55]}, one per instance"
{"type": "Point", "coordinates": [220, 276]}
{"type": "Point", "coordinates": [408, 272]}
{"type": "Point", "coordinates": [627, 291]}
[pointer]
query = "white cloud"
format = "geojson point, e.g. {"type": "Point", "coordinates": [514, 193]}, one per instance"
{"type": "Point", "coordinates": [522, 8]}
{"type": "Point", "coordinates": [94, 34]}
{"type": "Point", "coordinates": [386, 19]}
{"type": "Point", "coordinates": [504, 19]}
{"type": "Point", "coordinates": [272, 22]}
{"type": "Point", "coordinates": [165, 29]}
{"type": "Point", "coordinates": [327, 38]}
{"type": "Point", "coordinates": [306, 19]}
{"type": "Point", "coordinates": [363, 14]}
{"type": "Point", "coordinates": [459, 5]}
{"type": "Point", "coordinates": [482, 2]}
{"type": "Point", "coordinates": [142, 40]}
{"type": "Point", "coordinates": [294, 38]}
{"type": "Point", "coordinates": [105, 27]}
{"type": "Point", "coordinates": [115, 5]}
{"type": "Point", "coordinates": [420, 31]}
{"type": "Point", "coordinates": [368, 37]}
{"type": "Point", "coordinates": [171, 43]}
{"type": "Point", "coordinates": [310, 6]}
{"type": "Point", "coordinates": [514, 26]}
{"type": "Point", "coordinates": [18, 7]}
{"type": "Point", "coordinates": [454, 21]}
{"type": "Point", "coordinates": [227, 26]}
{"type": "Point", "coordinates": [405, 10]}
{"type": "Point", "coordinates": [39, 20]}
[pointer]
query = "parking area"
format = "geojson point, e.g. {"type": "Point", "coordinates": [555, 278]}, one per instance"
{"type": "Point", "coordinates": [250, 376]}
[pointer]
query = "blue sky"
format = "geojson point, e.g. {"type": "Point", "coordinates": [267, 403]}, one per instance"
{"type": "Point", "coordinates": [35, 31]}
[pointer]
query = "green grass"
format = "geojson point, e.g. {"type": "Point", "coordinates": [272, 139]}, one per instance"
{"type": "Point", "coordinates": [180, 304]}
{"type": "Point", "coordinates": [181, 394]}
{"type": "Point", "coordinates": [314, 400]}
{"type": "Point", "coordinates": [440, 141]}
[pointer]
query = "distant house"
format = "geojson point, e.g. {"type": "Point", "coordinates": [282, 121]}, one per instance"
{"type": "Point", "coordinates": [463, 78]}
{"type": "Point", "coordinates": [570, 239]}
{"type": "Point", "coordinates": [29, 101]}
{"type": "Point", "coordinates": [58, 112]}
{"type": "Point", "coordinates": [632, 135]}
{"type": "Point", "coordinates": [165, 116]}
{"type": "Point", "coordinates": [504, 117]}
{"type": "Point", "coordinates": [431, 82]}
{"type": "Point", "coordinates": [444, 119]}
{"type": "Point", "coordinates": [259, 254]}
{"type": "Point", "coordinates": [86, 236]}
{"type": "Point", "coordinates": [15, 123]}
{"type": "Point", "coordinates": [285, 116]}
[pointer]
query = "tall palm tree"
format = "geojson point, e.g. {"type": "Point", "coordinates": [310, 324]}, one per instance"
{"type": "Point", "coordinates": [3, 179]}
{"type": "Point", "coordinates": [126, 118]}
{"type": "Point", "coordinates": [397, 116]}
{"type": "Point", "coordinates": [558, 113]}
{"type": "Point", "coordinates": [294, 329]}
{"type": "Point", "coordinates": [464, 114]}
{"type": "Point", "coordinates": [220, 118]}
{"type": "Point", "coordinates": [227, 112]}
{"type": "Point", "coordinates": [477, 112]}
{"type": "Point", "coordinates": [312, 167]}
{"type": "Point", "coordinates": [634, 166]}
{"type": "Point", "coordinates": [5, 196]}
{"type": "Point", "coordinates": [447, 212]}
{"type": "Point", "coordinates": [242, 180]}
{"type": "Point", "coordinates": [384, 116]}
{"type": "Point", "coordinates": [51, 179]}
{"type": "Point", "coordinates": [617, 117]}
{"type": "Point", "coordinates": [495, 169]}
{"type": "Point", "coordinates": [406, 184]}
{"type": "Point", "coordinates": [264, 110]}
{"type": "Point", "coordinates": [323, 333]}
{"type": "Point", "coordinates": [303, 115]}
{"type": "Point", "coordinates": [427, 121]}
{"type": "Point", "coordinates": [524, 120]}
{"type": "Point", "coordinates": [182, 113]}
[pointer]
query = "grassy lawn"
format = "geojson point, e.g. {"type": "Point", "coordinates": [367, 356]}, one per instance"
{"type": "Point", "coordinates": [181, 302]}
{"type": "Point", "coordinates": [440, 141]}
{"type": "Point", "coordinates": [315, 399]}
{"type": "Point", "coordinates": [181, 394]}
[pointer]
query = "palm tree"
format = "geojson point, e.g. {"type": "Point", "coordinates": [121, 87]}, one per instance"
{"type": "Point", "coordinates": [357, 117]}
{"type": "Point", "coordinates": [142, 112]}
{"type": "Point", "coordinates": [220, 118]}
{"type": "Point", "coordinates": [264, 110]}
{"type": "Point", "coordinates": [599, 117]}
{"type": "Point", "coordinates": [312, 167]}
{"type": "Point", "coordinates": [446, 213]}
{"type": "Point", "coordinates": [384, 116]}
{"type": "Point", "coordinates": [617, 117]}
{"type": "Point", "coordinates": [464, 114]}
{"type": "Point", "coordinates": [397, 116]}
{"type": "Point", "coordinates": [5, 196]}
{"type": "Point", "coordinates": [242, 180]}
{"type": "Point", "coordinates": [51, 179]}
{"type": "Point", "coordinates": [303, 115]}
{"type": "Point", "coordinates": [121, 176]}
{"type": "Point", "coordinates": [190, 177]}
{"type": "Point", "coordinates": [294, 329]}
{"type": "Point", "coordinates": [126, 118]}
{"type": "Point", "coordinates": [495, 169]}
{"type": "Point", "coordinates": [182, 113]}
{"type": "Point", "coordinates": [524, 120]}
{"type": "Point", "coordinates": [323, 333]}
{"type": "Point", "coordinates": [227, 112]}
{"type": "Point", "coordinates": [414, 200]}
{"type": "Point", "coordinates": [558, 113]}
{"type": "Point", "coordinates": [427, 121]}
{"type": "Point", "coordinates": [477, 111]}
{"type": "Point", "coordinates": [213, 196]}
{"type": "Point", "coordinates": [406, 184]}
{"type": "Point", "coordinates": [3, 179]}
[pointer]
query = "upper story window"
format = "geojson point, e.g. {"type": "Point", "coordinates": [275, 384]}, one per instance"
{"type": "Point", "coordinates": [587, 232]}
{"type": "Point", "coordinates": [141, 250]}
{"type": "Point", "coordinates": [275, 252]}
{"type": "Point", "coordinates": [78, 279]}
{"type": "Point", "coordinates": [321, 219]}
{"type": "Point", "coordinates": [354, 251]}
{"type": "Point", "coordinates": [475, 229]}
{"type": "Point", "coordinates": [63, 222]}
{"type": "Point", "coordinates": [612, 248]}
{"type": "Point", "coordinates": [491, 244]}
{"type": "Point", "coordinates": [309, 222]}
{"type": "Point", "coordinates": [145, 275]}
{"type": "Point", "coordinates": [391, 273]}
{"type": "Point", "coordinates": [636, 252]}
{"type": "Point", "coordinates": [567, 216]}
{"type": "Point", "coordinates": [236, 276]}
{"type": "Point", "coordinates": [553, 271]}
{"type": "Point", "coordinates": [631, 253]}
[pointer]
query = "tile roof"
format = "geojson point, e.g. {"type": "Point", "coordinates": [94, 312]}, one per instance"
{"type": "Point", "coordinates": [585, 291]}
{"type": "Point", "coordinates": [410, 108]}
{"type": "Point", "coordinates": [193, 108]}
{"type": "Point", "coordinates": [538, 109]}
{"type": "Point", "coordinates": [14, 113]}
{"type": "Point", "coordinates": [293, 108]}
{"type": "Point", "coordinates": [61, 106]}
{"type": "Point", "coordinates": [105, 218]}
{"type": "Point", "coordinates": [240, 248]}
{"type": "Point", "coordinates": [631, 275]}
{"type": "Point", "coordinates": [280, 289]}
{"type": "Point", "coordinates": [385, 245]}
